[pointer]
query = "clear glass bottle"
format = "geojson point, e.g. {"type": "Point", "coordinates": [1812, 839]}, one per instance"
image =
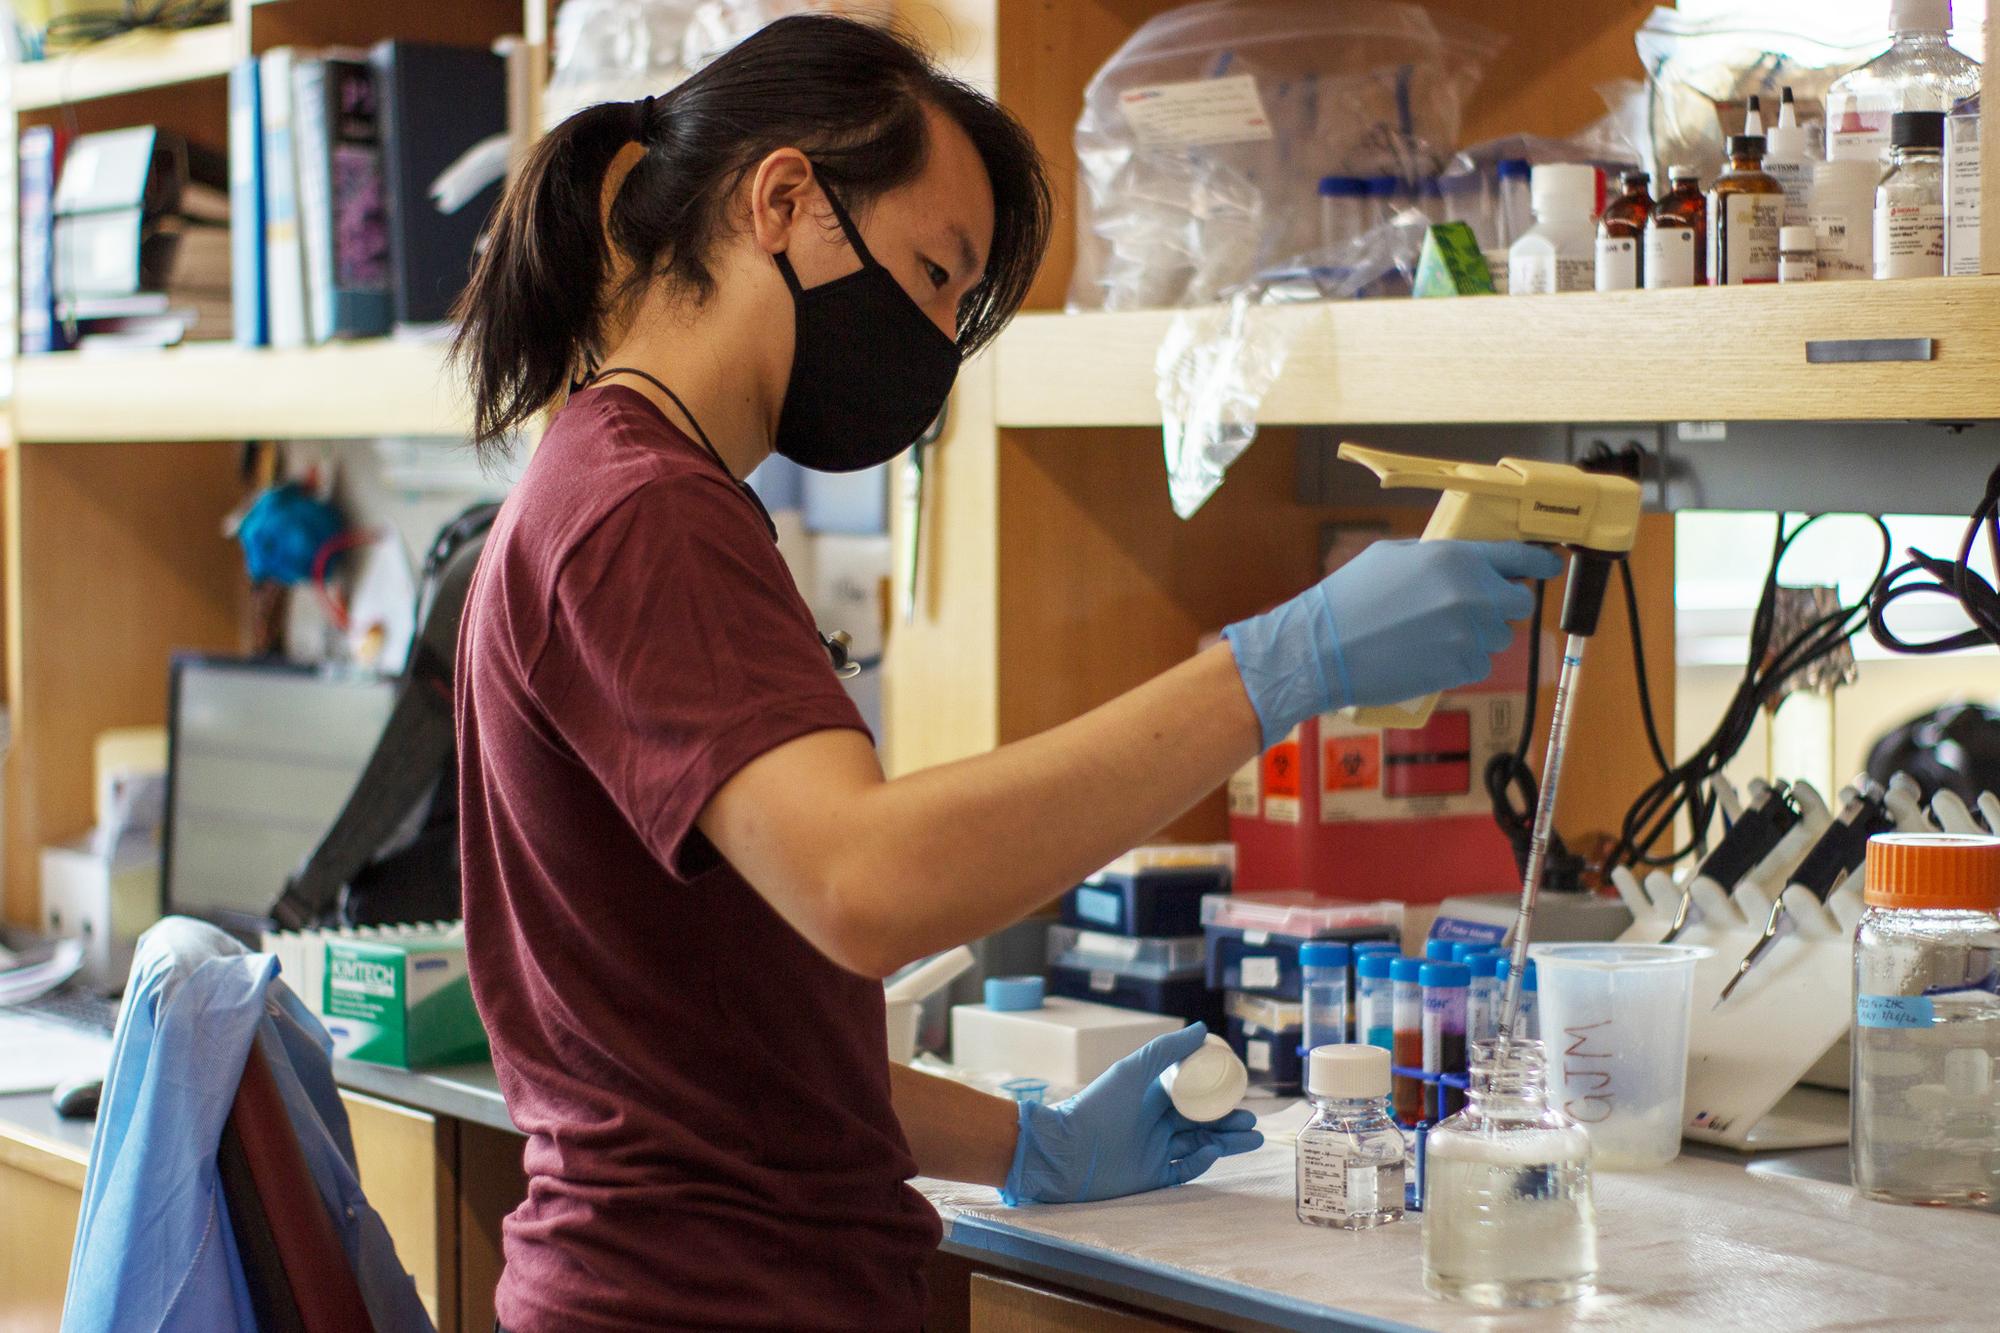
{"type": "Point", "coordinates": [1746, 205]}
{"type": "Point", "coordinates": [1621, 234]}
{"type": "Point", "coordinates": [1323, 977]}
{"type": "Point", "coordinates": [1919, 72]}
{"type": "Point", "coordinates": [1350, 1154]}
{"type": "Point", "coordinates": [1513, 214]}
{"type": "Point", "coordinates": [1925, 1125]}
{"type": "Point", "coordinates": [1909, 203]}
{"type": "Point", "coordinates": [1509, 1219]}
{"type": "Point", "coordinates": [1677, 233]}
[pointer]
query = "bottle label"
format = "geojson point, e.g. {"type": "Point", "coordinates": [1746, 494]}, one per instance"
{"type": "Point", "coordinates": [1743, 238]}
{"type": "Point", "coordinates": [1617, 263]}
{"type": "Point", "coordinates": [1893, 1011]}
{"type": "Point", "coordinates": [1540, 273]}
{"type": "Point", "coordinates": [1796, 177]}
{"type": "Point", "coordinates": [1837, 245]}
{"type": "Point", "coordinates": [1797, 268]}
{"type": "Point", "coordinates": [1909, 240]}
{"type": "Point", "coordinates": [1961, 195]}
{"type": "Point", "coordinates": [1670, 257]}
{"type": "Point", "coordinates": [1333, 1189]}
{"type": "Point", "coordinates": [1857, 126]}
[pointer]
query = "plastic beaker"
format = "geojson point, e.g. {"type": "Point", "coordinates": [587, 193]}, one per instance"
{"type": "Point", "coordinates": [1614, 1018]}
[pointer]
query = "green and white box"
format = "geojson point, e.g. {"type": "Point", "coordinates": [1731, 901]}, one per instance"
{"type": "Point", "coordinates": [402, 1000]}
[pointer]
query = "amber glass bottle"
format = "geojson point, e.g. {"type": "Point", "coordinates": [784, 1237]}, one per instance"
{"type": "Point", "coordinates": [1677, 234]}
{"type": "Point", "coordinates": [1746, 205]}
{"type": "Point", "coordinates": [1621, 235]}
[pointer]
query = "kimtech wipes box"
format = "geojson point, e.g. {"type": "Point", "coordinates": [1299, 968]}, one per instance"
{"type": "Point", "coordinates": [401, 1000]}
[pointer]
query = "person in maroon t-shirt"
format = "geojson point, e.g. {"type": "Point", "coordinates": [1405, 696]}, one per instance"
{"type": "Point", "coordinates": [685, 872]}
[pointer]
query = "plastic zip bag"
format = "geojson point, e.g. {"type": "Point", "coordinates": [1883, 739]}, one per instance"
{"type": "Point", "coordinates": [1202, 140]}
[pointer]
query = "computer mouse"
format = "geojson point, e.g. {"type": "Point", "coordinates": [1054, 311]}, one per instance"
{"type": "Point", "coordinates": [77, 1099]}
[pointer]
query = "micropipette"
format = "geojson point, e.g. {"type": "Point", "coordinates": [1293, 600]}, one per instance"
{"type": "Point", "coordinates": [1758, 829]}
{"type": "Point", "coordinates": [1837, 854]}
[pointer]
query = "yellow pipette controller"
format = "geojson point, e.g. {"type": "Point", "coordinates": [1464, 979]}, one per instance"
{"type": "Point", "coordinates": [1515, 499]}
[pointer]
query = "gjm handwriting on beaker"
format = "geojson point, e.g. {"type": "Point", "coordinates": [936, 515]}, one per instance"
{"type": "Point", "coordinates": [1587, 1059]}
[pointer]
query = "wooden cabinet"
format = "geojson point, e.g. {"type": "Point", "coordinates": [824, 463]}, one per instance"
{"type": "Point", "coordinates": [1005, 1305]}
{"type": "Point", "coordinates": [40, 1195]}
{"type": "Point", "coordinates": [407, 1161]}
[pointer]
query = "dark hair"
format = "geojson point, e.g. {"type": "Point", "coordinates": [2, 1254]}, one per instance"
{"type": "Point", "coordinates": [850, 95]}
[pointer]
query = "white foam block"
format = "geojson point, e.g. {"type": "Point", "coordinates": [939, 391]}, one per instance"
{"type": "Point", "coordinates": [1065, 1041]}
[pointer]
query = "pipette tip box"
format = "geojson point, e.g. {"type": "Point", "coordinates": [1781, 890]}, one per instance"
{"type": "Point", "coordinates": [1266, 1035]}
{"type": "Point", "coordinates": [1151, 891]}
{"type": "Point", "coordinates": [1254, 939]}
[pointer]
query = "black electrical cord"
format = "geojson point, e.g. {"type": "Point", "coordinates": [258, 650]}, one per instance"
{"type": "Point", "coordinates": [82, 27]}
{"type": "Point", "coordinates": [1687, 787]}
{"type": "Point", "coordinates": [1948, 578]}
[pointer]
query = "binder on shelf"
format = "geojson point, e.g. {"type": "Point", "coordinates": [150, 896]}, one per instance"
{"type": "Point", "coordinates": [435, 103]}
{"type": "Point", "coordinates": [284, 252]}
{"type": "Point", "coordinates": [41, 157]}
{"type": "Point", "coordinates": [342, 222]}
{"type": "Point", "coordinates": [246, 206]}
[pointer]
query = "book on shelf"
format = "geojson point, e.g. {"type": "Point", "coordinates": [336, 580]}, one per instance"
{"type": "Point", "coordinates": [342, 218]}
{"type": "Point", "coordinates": [246, 206]}
{"type": "Point", "coordinates": [284, 252]}
{"type": "Point", "coordinates": [436, 102]}
{"type": "Point", "coordinates": [41, 158]}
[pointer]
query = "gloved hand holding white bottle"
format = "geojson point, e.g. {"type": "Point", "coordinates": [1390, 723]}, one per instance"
{"type": "Point", "coordinates": [1399, 621]}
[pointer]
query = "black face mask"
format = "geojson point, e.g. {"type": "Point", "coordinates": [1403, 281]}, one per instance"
{"type": "Point", "coordinates": [869, 369]}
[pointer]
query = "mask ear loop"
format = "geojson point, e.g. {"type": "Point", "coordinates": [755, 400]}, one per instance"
{"type": "Point", "coordinates": [847, 228]}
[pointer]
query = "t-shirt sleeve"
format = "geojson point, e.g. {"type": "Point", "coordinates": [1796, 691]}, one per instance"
{"type": "Point", "coordinates": [679, 650]}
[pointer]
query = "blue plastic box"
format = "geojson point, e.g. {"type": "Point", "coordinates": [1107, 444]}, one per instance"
{"type": "Point", "coordinates": [1270, 1054]}
{"type": "Point", "coordinates": [1184, 995]}
{"type": "Point", "coordinates": [1254, 939]}
{"type": "Point", "coordinates": [1155, 900]}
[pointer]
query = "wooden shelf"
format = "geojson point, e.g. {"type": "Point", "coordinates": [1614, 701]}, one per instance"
{"type": "Point", "coordinates": [218, 391]}
{"type": "Point", "coordinates": [124, 64]}
{"type": "Point", "coordinates": [1734, 353]}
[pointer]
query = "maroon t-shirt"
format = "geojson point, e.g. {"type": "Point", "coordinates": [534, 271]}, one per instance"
{"type": "Point", "coordinates": [705, 1094]}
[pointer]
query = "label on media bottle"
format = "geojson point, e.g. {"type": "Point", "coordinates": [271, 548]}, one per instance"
{"type": "Point", "coordinates": [1893, 1011]}
{"type": "Point", "coordinates": [1909, 241]}
{"type": "Point", "coordinates": [1961, 195]}
{"type": "Point", "coordinates": [1617, 263]}
{"type": "Point", "coordinates": [1743, 238]}
{"type": "Point", "coordinates": [1331, 1189]}
{"type": "Point", "coordinates": [1530, 275]}
{"type": "Point", "coordinates": [1670, 257]}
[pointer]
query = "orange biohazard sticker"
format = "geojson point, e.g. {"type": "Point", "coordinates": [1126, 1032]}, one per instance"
{"type": "Point", "coordinates": [1351, 763]}
{"type": "Point", "coordinates": [1281, 769]}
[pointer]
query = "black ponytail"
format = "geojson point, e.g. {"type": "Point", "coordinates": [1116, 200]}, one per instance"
{"type": "Point", "coordinates": [851, 96]}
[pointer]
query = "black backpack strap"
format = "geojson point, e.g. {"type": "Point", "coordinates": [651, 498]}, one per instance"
{"type": "Point", "coordinates": [417, 743]}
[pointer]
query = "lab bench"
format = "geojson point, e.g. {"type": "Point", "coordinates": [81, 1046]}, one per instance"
{"type": "Point", "coordinates": [1713, 1241]}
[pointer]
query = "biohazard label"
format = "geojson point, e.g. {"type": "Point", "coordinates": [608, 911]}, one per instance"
{"type": "Point", "coordinates": [1351, 763]}
{"type": "Point", "coordinates": [1281, 781]}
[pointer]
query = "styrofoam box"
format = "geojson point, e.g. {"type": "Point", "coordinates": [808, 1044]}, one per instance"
{"type": "Point", "coordinates": [1065, 1041]}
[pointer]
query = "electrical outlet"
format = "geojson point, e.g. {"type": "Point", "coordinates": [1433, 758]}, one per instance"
{"type": "Point", "coordinates": [1640, 443]}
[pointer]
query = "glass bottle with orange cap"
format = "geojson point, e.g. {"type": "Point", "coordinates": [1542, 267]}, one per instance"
{"type": "Point", "coordinates": [1926, 1102]}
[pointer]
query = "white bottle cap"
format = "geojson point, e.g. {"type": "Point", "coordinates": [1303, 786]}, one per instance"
{"type": "Point", "coordinates": [1207, 1085]}
{"type": "Point", "coordinates": [1797, 238]}
{"type": "Point", "coordinates": [1920, 16]}
{"type": "Point", "coordinates": [1351, 1072]}
{"type": "Point", "coordinates": [1563, 189]}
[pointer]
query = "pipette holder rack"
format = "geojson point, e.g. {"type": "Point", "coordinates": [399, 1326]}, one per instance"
{"type": "Point", "coordinates": [1748, 1058]}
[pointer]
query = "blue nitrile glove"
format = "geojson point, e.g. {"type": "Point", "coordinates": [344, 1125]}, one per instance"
{"type": "Point", "coordinates": [1399, 621]}
{"type": "Point", "coordinates": [1121, 1135]}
